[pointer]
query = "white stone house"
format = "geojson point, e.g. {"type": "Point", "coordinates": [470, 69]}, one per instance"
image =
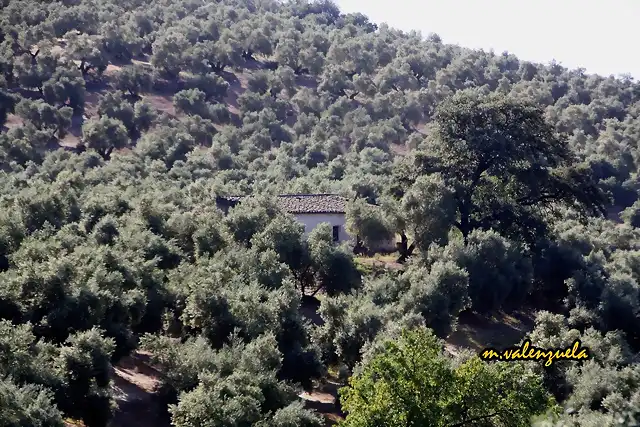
{"type": "Point", "coordinates": [312, 210]}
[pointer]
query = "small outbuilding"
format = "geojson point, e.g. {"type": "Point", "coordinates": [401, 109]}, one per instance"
{"type": "Point", "coordinates": [311, 210]}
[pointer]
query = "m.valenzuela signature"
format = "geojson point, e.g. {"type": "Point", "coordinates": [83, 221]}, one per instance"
{"type": "Point", "coordinates": [528, 352]}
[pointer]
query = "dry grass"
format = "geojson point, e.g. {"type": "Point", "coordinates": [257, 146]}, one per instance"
{"type": "Point", "coordinates": [387, 261]}
{"type": "Point", "coordinates": [388, 258]}
{"type": "Point", "coordinates": [112, 70]}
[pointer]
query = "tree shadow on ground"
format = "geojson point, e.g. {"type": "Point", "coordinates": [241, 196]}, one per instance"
{"type": "Point", "coordinates": [501, 330]}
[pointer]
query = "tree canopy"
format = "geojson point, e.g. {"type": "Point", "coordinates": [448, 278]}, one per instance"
{"type": "Point", "coordinates": [412, 383]}
{"type": "Point", "coordinates": [510, 187]}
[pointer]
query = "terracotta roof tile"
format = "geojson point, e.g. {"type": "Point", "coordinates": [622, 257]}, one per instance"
{"type": "Point", "coordinates": [306, 203]}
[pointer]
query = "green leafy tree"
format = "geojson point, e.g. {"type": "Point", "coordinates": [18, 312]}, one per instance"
{"type": "Point", "coordinates": [145, 115]}
{"type": "Point", "coordinates": [34, 69]}
{"type": "Point", "coordinates": [500, 272]}
{"type": "Point", "coordinates": [292, 52]}
{"type": "Point", "coordinates": [438, 294]}
{"type": "Point", "coordinates": [604, 389]}
{"type": "Point", "coordinates": [285, 236]}
{"type": "Point", "coordinates": [114, 105]}
{"type": "Point", "coordinates": [214, 87]}
{"type": "Point", "coordinates": [368, 224]}
{"type": "Point", "coordinates": [84, 365]}
{"type": "Point", "coordinates": [119, 41]}
{"type": "Point", "coordinates": [167, 144]}
{"type": "Point", "coordinates": [192, 101]}
{"type": "Point", "coordinates": [46, 118]}
{"type": "Point", "coordinates": [88, 50]}
{"type": "Point", "coordinates": [505, 166]}
{"type": "Point", "coordinates": [429, 211]}
{"type": "Point", "coordinates": [104, 135]}
{"type": "Point", "coordinates": [249, 218]}
{"type": "Point", "coordinates": [412, 383]}
{"type": "Point", "coordinates": [335, 270]}
{"type": "Point", "coordinates": [168, 53]}
{"type": "Point", "coordinates": [133, 80]}
{"type": "Point", "coordinates": [213, 56]}
{"type": "Point", "coordinates": [238, 384]}
{"type": "Point", "coordinates": [27, 406]}
{"type": "Point", "coordinates": [631, 215]}
{"type": "Point", "coordinates": [65, 88]}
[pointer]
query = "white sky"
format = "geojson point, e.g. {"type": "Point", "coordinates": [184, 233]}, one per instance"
{"type": "Point", "coordinates": [601, 36]}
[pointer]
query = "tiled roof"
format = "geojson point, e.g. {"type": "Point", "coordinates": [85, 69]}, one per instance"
{"type": "Point", "coordinates": [307, 203]}
{"type": "Point", "coordinates": [312, 203]}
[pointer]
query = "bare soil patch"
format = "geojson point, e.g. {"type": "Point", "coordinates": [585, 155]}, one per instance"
{"type": "Point", "coordinates": [499, 331]}
{"type": "Point", "coordinates": [324, 401]}
{"type": "Point", "coordinates": [386, 261]}
{"type": "Point", "coordinates": [91, 100]}
{"type": "Point", "coordinates": [161, 102]}
{"type": "Point", "coordinates": [112, 69]}
{"type": "Point", "coordinates": [13, 121]}
{"type": "Point", "coordinates": [398, 149]}
{"type": "Point", "coordinates": [134, 384]}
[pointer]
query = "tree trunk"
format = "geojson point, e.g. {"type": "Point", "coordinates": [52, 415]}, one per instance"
{"type": "Point", "coordinates": [405, 249]}
{"type": "Point", "coordinates": [313, 294]}
{"type": "Point", "coordinates": [218, 67]}
{"type": "Point", "coordinates": [473, 420]}
{"type": "Point", "coordinates": [248, 55]}
{"type": "Point", "coordinates": [463, 206]}
{"type": "Point", "coordinates": [34, 56]}
{"type": "Point", "coordinates": [106, 153]}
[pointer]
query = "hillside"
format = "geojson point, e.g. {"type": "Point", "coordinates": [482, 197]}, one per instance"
{"type": "Point", "coordinates": [126, 295]}
{"type": "Point", "coordinates": [383, 85]}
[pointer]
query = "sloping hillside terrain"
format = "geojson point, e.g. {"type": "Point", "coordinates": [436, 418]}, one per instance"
{"type": "Point", "coordinates": [126, 296]}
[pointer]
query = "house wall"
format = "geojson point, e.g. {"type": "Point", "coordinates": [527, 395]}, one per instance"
{"type": "Point", "coordinates": [311, 221]}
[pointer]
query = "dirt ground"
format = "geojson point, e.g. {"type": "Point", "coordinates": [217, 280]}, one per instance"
{"type": "Point", "coordinates": [324, 400]}
{"type": "Point", "coordinates": [135, 379]}
{"type": "Point", "coordinates": [134, 382]}
{"type": "Point", "coordinates": [499, 331]}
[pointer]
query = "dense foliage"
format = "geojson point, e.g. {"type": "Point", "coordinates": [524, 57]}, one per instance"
{"type": "Point", "coordinates": [120, 123]}
{"type": "Point", "coordinates": [411, 383]}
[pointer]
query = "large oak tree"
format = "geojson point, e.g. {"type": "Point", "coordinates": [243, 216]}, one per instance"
{"type": "Point", "coordinates": [508, 169]}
